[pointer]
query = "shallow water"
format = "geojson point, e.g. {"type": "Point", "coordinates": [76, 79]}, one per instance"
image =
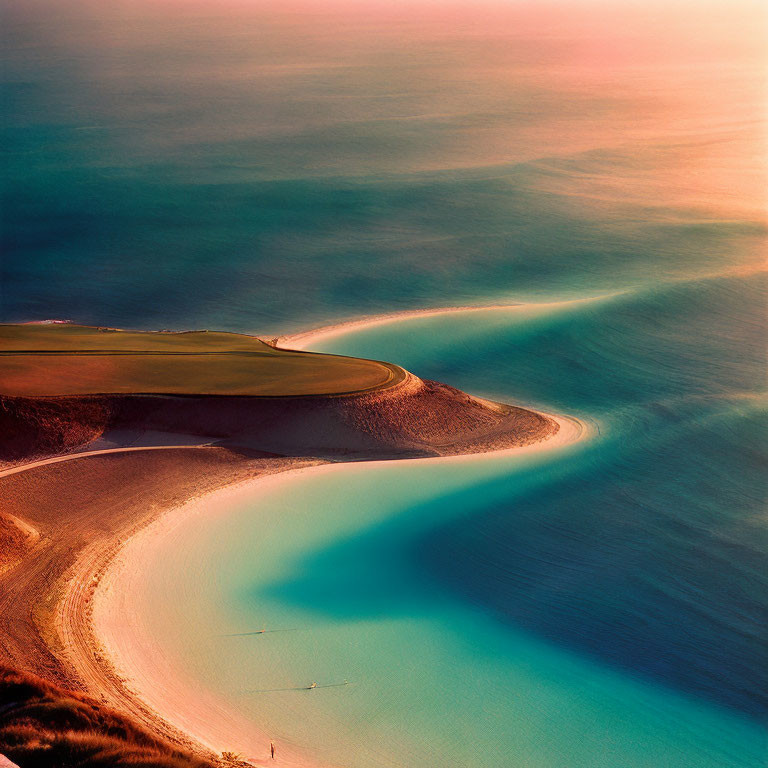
{"type": "Point", "coordinates": [600, 605]}
{"type": "Point", "coordinates": [238, 167]}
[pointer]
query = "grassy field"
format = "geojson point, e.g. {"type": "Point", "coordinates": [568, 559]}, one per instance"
{"type": "Point", "coordinates": [64, 359]}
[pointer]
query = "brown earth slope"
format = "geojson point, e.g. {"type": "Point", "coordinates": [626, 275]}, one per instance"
{"type": "Point", "coordinates": [63, 387]}
{"type": "Point", "coordinates": [412, 418]}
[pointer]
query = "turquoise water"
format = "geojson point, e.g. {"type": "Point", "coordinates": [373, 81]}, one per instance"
{"type": "Point", "coordinates": [599, 605]}
{"type": "Point", "coordinates": [242, 167]}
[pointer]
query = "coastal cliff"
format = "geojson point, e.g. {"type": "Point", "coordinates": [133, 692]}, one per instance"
{"type": "Point", "coordinates": [412, 418]}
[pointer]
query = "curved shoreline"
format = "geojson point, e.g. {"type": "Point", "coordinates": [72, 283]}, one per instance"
{"type": "Point", "coordinates": [130, 657]}
{"type": "Point", "coordinates": [90, 579]}
{"type": "Point", "coordinates": [78, 636]}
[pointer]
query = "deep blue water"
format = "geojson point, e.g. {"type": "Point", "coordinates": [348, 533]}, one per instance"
{"type": "Point", "coordinates": [650, 552]}
{"type": "Point", "coordinates": [249, 168]}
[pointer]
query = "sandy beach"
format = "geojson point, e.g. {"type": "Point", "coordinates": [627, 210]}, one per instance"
{"type": "Point", "coordinates": [148, 675]}
{"type": "Point", "coordinates": [82, 509]}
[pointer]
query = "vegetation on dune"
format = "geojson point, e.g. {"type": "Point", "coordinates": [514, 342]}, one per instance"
{"type": "Point", "coordinates": [64, 359]}
{"type": "Point", "coordinates": [43, 726]}
{"type": "Point", "coordinates": [14, 542]}
{"type": "Point", "coordinates": [29, 426]}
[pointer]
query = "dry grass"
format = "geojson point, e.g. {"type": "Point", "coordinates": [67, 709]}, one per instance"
{"type": "Point", "coordinates": [48, 360]}
{"type": "Point", "coordinates": [43, 726]}
{"type": "Point", "coordinates": [14, 542]}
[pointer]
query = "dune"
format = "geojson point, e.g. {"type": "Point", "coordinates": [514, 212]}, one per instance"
{"type": "Point", "coordinates": [75, 729]}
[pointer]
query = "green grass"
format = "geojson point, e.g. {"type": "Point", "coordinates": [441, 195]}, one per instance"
{"type": "Point", "coordinates": [63, 359]}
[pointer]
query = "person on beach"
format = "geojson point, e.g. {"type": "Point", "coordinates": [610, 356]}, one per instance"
{"type": "Point", "coordinates": [272, 749]}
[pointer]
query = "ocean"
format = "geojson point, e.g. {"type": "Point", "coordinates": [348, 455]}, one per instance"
{"type": "Point", "coordinates": [239, 167]}
{"type": "Point", "coordinates": [599, 605]}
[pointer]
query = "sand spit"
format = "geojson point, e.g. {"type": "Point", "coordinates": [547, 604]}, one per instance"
{"type": "Point", "coordinates": [302, 339]}
{"type": "Point", "coordinates": [76, 513]}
